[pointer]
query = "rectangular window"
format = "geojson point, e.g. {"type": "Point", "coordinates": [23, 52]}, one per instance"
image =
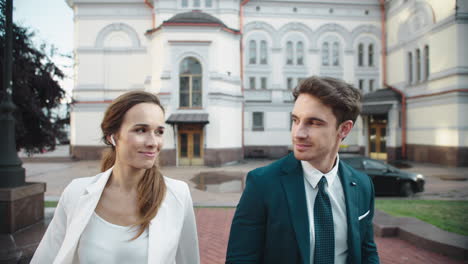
{"type": "Point", "coordinates": [361, 85]}
{"type": "Point", "coordinates": [196, 92]}
{"type": "Point", "coordinates": [257, 121]}
{"type": "Point", "coordinates": [426, 62]}
{"type": "Point", "coordinates": [196, 3]}
{"type": "Point", "coordinates": [184, 99]}
{"type": "Point", "coordinates": [252, 82]}
{"type": "Point", "coordinates": [410, 68]}
{"type": "Point", "coordinates": [184, 3]}
{"type": "Point", "coordinates": [371, 55]}
{"type": "Point", "coordinates": [208, 3]}
{"type": "Point", "coordinates": [289, 83]}
{"type": "Point", "coordinates": [418, 65]}
{"type": "Point", "coordinates": [371, 85]}
{"type": "Point", "coordinates": [264, 82]}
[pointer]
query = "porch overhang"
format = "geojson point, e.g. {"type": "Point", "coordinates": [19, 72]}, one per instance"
{"type": "Point", "coordinates": [375, 109]}
{"type": "Point", "coordinates": [188, 118]}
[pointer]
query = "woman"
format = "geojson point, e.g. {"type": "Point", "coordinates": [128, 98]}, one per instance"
{"type": "Point", "coordinates": [129, 213]}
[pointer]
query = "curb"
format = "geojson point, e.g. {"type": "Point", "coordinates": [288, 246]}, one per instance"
{"type": "Point", "coordinates": [421, 234]}
{"type": "Point", "coordinates": [58, 159]}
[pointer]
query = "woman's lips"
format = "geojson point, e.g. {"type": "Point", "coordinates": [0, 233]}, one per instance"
{"type": "Point", "coordinates": [149, 154]}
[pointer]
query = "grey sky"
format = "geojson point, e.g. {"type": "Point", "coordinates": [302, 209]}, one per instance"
{"type": "Point", "coordinates": [52, 21]}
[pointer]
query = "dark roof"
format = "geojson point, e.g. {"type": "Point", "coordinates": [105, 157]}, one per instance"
{"type": "Point", "coordinates": [188, 119]}
{"type": "Point", "coordinates": [380, 95]}
{"type": "Point", "coordinates": [196, 17]}
{"type": "Point", "coordinates": [376, 109]}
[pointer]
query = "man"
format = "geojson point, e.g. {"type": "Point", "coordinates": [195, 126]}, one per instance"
{"type": "Point", "coordinates": [309, 207]}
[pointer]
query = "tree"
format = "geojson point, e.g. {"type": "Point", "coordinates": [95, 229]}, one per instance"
{"type": "Point", "coordinates": [35, 92]}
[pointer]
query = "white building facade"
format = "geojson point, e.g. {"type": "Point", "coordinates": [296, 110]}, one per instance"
{"type": "Point", "coordinates": [225, 70]}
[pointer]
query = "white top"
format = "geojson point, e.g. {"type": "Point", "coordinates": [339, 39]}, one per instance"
{"type": "Point", "coordinates": [172, 233]}
{"type": "Point", "coordinates": [104, 242]}
{"type": "Point", "coordinates": [335, 192]}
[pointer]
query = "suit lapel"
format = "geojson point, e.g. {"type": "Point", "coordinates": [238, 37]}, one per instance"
{"type": "Point", "coordinates": [80, 217]}
{"type": "Point", "coordinates": [293, 183]}
{"type": "Point", "coordinates": [350, 189]}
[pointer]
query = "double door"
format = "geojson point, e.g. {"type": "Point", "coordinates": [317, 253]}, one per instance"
{"type": "Point", "coordinates": [190, 150]}
{"type": "Point", "coordinates": [378, 141]}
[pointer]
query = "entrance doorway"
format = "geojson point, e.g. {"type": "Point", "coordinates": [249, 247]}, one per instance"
{"type": "Point", "coordinates": [190, 144]}
{"type": "Point", "coordinates": [378, 137]}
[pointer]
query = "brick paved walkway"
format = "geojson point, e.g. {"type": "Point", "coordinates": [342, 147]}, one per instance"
{"type": "Point", "coordinates": [214, 225]}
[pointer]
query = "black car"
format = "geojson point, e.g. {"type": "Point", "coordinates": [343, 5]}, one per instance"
{"type": "Point", "coordinates": [387, 179]}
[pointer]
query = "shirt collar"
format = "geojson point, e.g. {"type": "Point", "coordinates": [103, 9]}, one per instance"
{"type": "Point", "coordinates": [313, 175]}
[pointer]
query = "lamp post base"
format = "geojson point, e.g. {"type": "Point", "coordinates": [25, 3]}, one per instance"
{"type": "Point", "coordinates": [21, 206]}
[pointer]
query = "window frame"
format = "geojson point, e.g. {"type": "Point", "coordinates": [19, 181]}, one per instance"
{"type": "Point", "coordinates": [252, 80]}
{"type": "Point", "coordinates": [370, 55]}
{"type": "Point", "coordinates": [361, 55]}
{"type": "Point", "coordinates": [263, 83]}
{"type": "Point", "coordinates": [263, 52]}
{"type": "Point", "coordinates": [252, 52]}
{"type": "Point", "coordinates": [289, 53]}
{"type": "Point", "coordinates": [191, 77]}
{"type": "Point", "coordinates": [325, 54]}
{"type": "Point", "coordinates": [258, 127]}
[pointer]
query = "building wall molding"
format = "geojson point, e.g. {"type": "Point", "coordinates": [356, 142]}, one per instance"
{"type": "Point", "coordinates": [130, 32]}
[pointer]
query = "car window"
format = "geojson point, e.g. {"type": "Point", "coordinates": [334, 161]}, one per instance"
{"type": "Point", "coordinates": [374, 165]}
{"type": "Point", "coordinates": [355, 163]}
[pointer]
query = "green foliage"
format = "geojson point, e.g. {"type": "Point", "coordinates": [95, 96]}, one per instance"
{"type": "Point", "coordinates": [447, 215]}
{"type": "Point", "coordinates": [50, 203]}
{"type": "Point", "coordinates": [36, 91]}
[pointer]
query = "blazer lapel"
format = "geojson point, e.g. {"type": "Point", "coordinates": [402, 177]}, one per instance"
{"type": "Point", "coordinates": [80, 217]}
{"type": "Point", "coordinates": [293, 183]}
{"type": "Point", "coordinates": [157, 235]}
{"type": "Point", "coordinates": [350, 189]}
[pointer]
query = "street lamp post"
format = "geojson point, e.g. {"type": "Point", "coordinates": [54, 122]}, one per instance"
{"type": "Point", "coordinates": [11, 171]}
{"type": "Point", "coordinates": [21, 203]}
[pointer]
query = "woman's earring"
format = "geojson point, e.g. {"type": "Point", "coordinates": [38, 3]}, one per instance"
{"type": "Point", "coordinates": [112, 140]}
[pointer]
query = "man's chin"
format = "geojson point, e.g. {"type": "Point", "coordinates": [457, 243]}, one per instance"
{"type": "Point", "coordinates": [302, 155]}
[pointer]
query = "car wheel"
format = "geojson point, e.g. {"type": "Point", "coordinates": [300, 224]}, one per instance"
{"type": "Point", "coordinates": [406, 189]}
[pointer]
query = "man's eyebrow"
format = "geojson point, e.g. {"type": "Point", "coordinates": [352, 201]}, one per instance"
{"type": "Point", "coordinates": [311, 118]}
{"type": "Point", "coordinates": [316, 119]}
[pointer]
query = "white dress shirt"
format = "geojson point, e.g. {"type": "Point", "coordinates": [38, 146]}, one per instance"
{"type": "Point", "coordinates": [334, 189]}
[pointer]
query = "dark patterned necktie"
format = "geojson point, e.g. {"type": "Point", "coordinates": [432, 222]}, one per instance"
{"type": "Point", "coordinates": [324, 252]}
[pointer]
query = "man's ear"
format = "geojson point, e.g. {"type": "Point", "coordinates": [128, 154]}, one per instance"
{"type": "Point", "coordinates": [345, 128]}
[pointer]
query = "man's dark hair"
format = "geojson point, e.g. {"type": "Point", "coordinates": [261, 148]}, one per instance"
{"type": "Point", "coordinates": [343, 98]}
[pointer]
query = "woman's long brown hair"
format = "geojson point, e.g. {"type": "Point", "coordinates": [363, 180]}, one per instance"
{"type": "Point", "coordinates": [151, 188]}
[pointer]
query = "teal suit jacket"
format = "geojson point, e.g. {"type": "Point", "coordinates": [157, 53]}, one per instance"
{"type": "Point", "coordinates": [271, 223]}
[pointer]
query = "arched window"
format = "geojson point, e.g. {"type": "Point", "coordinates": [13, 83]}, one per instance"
{"type": "Point", "coordinates": [190, 80]}
{"type": "Point", "coordinates": [336, 54]}
{"type": "Point", "coordinates": [252, 52]}
{"type": "Point", "coordinates": [418, 65]}
{"type": "Point", "coordinates": [361, 55]}
{"type": "Point", "coordinates": [371, 55]}
{"type": "Point", "coordinates": [410, 67]}
{"type": "Point", "coordinates": [426, 62]}
{"type": "Point", "coordinates": [325, 54]}
{"type": "Point", "coordinates": [300, 53]}
{"type": "Point", "coordinates": [263, 52]}
{"type": "Point", "coordinates": [289, 53]}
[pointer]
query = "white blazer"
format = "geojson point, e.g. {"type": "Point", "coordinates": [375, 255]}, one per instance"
{"type": "Point", "coordinates": [172, 232]}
